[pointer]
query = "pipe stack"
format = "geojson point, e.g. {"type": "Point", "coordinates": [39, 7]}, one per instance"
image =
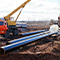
{"type": "Point", "coordinates": [3, 49]}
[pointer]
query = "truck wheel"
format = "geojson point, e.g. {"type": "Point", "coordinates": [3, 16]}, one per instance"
{"type": "Point", "coordinates": [7, 34]}
{"type": "Point", "coordinates": [16, 32]}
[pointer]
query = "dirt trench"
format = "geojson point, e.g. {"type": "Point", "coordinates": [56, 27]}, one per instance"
{"type": "Point", "coordinates": [43, 49]}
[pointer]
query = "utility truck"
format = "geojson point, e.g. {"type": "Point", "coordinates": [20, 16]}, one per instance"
{"type": "Point", "coordinates": [8, 26]}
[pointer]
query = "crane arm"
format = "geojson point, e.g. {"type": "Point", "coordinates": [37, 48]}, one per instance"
{"type": "Point", "coordinates": [21, 6]}
{"type": "Point", "coordinates": [18, 15]}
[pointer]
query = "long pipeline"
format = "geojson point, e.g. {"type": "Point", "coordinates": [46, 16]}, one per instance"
{"type": "Point", "coordinates": [20, 39]}
{"type": "Point", "coordinates": [29, 33]}
{"type": "Point", "coordinates": [14, 45]}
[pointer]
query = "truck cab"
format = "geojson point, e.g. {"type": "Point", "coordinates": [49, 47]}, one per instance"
{"type": "Point", "coordinates": [3, 27]}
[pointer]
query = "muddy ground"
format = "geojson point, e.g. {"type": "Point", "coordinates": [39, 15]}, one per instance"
{"type": "Point", "coordinates": [43, 49]}
{"type": "Point", "coordinates": [47, 48]}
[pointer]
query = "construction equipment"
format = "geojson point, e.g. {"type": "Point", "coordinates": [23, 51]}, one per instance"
{"type": "Point", "coordinates": [55, 22]}
{"type": "Point", "coordinates": [59, 20]}
{"type": "Point", "coordinates": [8, 26]}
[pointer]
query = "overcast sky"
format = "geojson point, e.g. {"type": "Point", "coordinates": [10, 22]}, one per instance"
{"type": "Point", "coordinates": [34, 10]}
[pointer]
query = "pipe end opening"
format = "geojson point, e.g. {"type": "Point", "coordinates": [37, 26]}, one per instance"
{"type": "Point", "coordinates": [2, 51]}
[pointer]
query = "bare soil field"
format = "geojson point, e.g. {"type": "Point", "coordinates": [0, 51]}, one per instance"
{"type": "Point", "coordinates": [47, 48]}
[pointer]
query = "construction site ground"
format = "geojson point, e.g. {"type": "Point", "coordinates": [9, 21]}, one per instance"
{"type": "Point", "coordinates": [47, 48]}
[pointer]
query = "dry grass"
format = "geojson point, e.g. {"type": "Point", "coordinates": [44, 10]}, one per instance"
{"type": "Point", "coordinates": [38, 25]}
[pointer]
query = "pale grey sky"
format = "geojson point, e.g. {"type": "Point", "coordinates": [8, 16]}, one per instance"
{"type": "Point", "coordinates": [34, 10]}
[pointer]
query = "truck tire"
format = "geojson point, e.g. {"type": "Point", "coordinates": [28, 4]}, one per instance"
{"type": "Point", "coordinates": [16, 32]}
{"type": "Point", "coordinates": [6, 35]}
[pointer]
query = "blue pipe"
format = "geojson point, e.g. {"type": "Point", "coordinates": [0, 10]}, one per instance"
{"type": "Point", "coordinates": [13, 41]}
{"type": "Point", "coordinates": [24, 34]}
{"type": "Point", "coordinates": [14, 45]}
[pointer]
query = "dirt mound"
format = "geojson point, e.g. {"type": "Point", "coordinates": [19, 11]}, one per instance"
{"type": "Point", "coordinates": [57, 49]}
{"type": "Point", "coordinates": [45, 56]}
{"type": "Point", "coordinates": [58, 38]}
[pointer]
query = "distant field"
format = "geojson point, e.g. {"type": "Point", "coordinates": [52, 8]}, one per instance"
{"type": "Point", "coordinates": [38, 25]}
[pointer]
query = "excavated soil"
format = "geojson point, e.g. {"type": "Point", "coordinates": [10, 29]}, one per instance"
{"type": "Point", "coordinates": [47, 48]}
